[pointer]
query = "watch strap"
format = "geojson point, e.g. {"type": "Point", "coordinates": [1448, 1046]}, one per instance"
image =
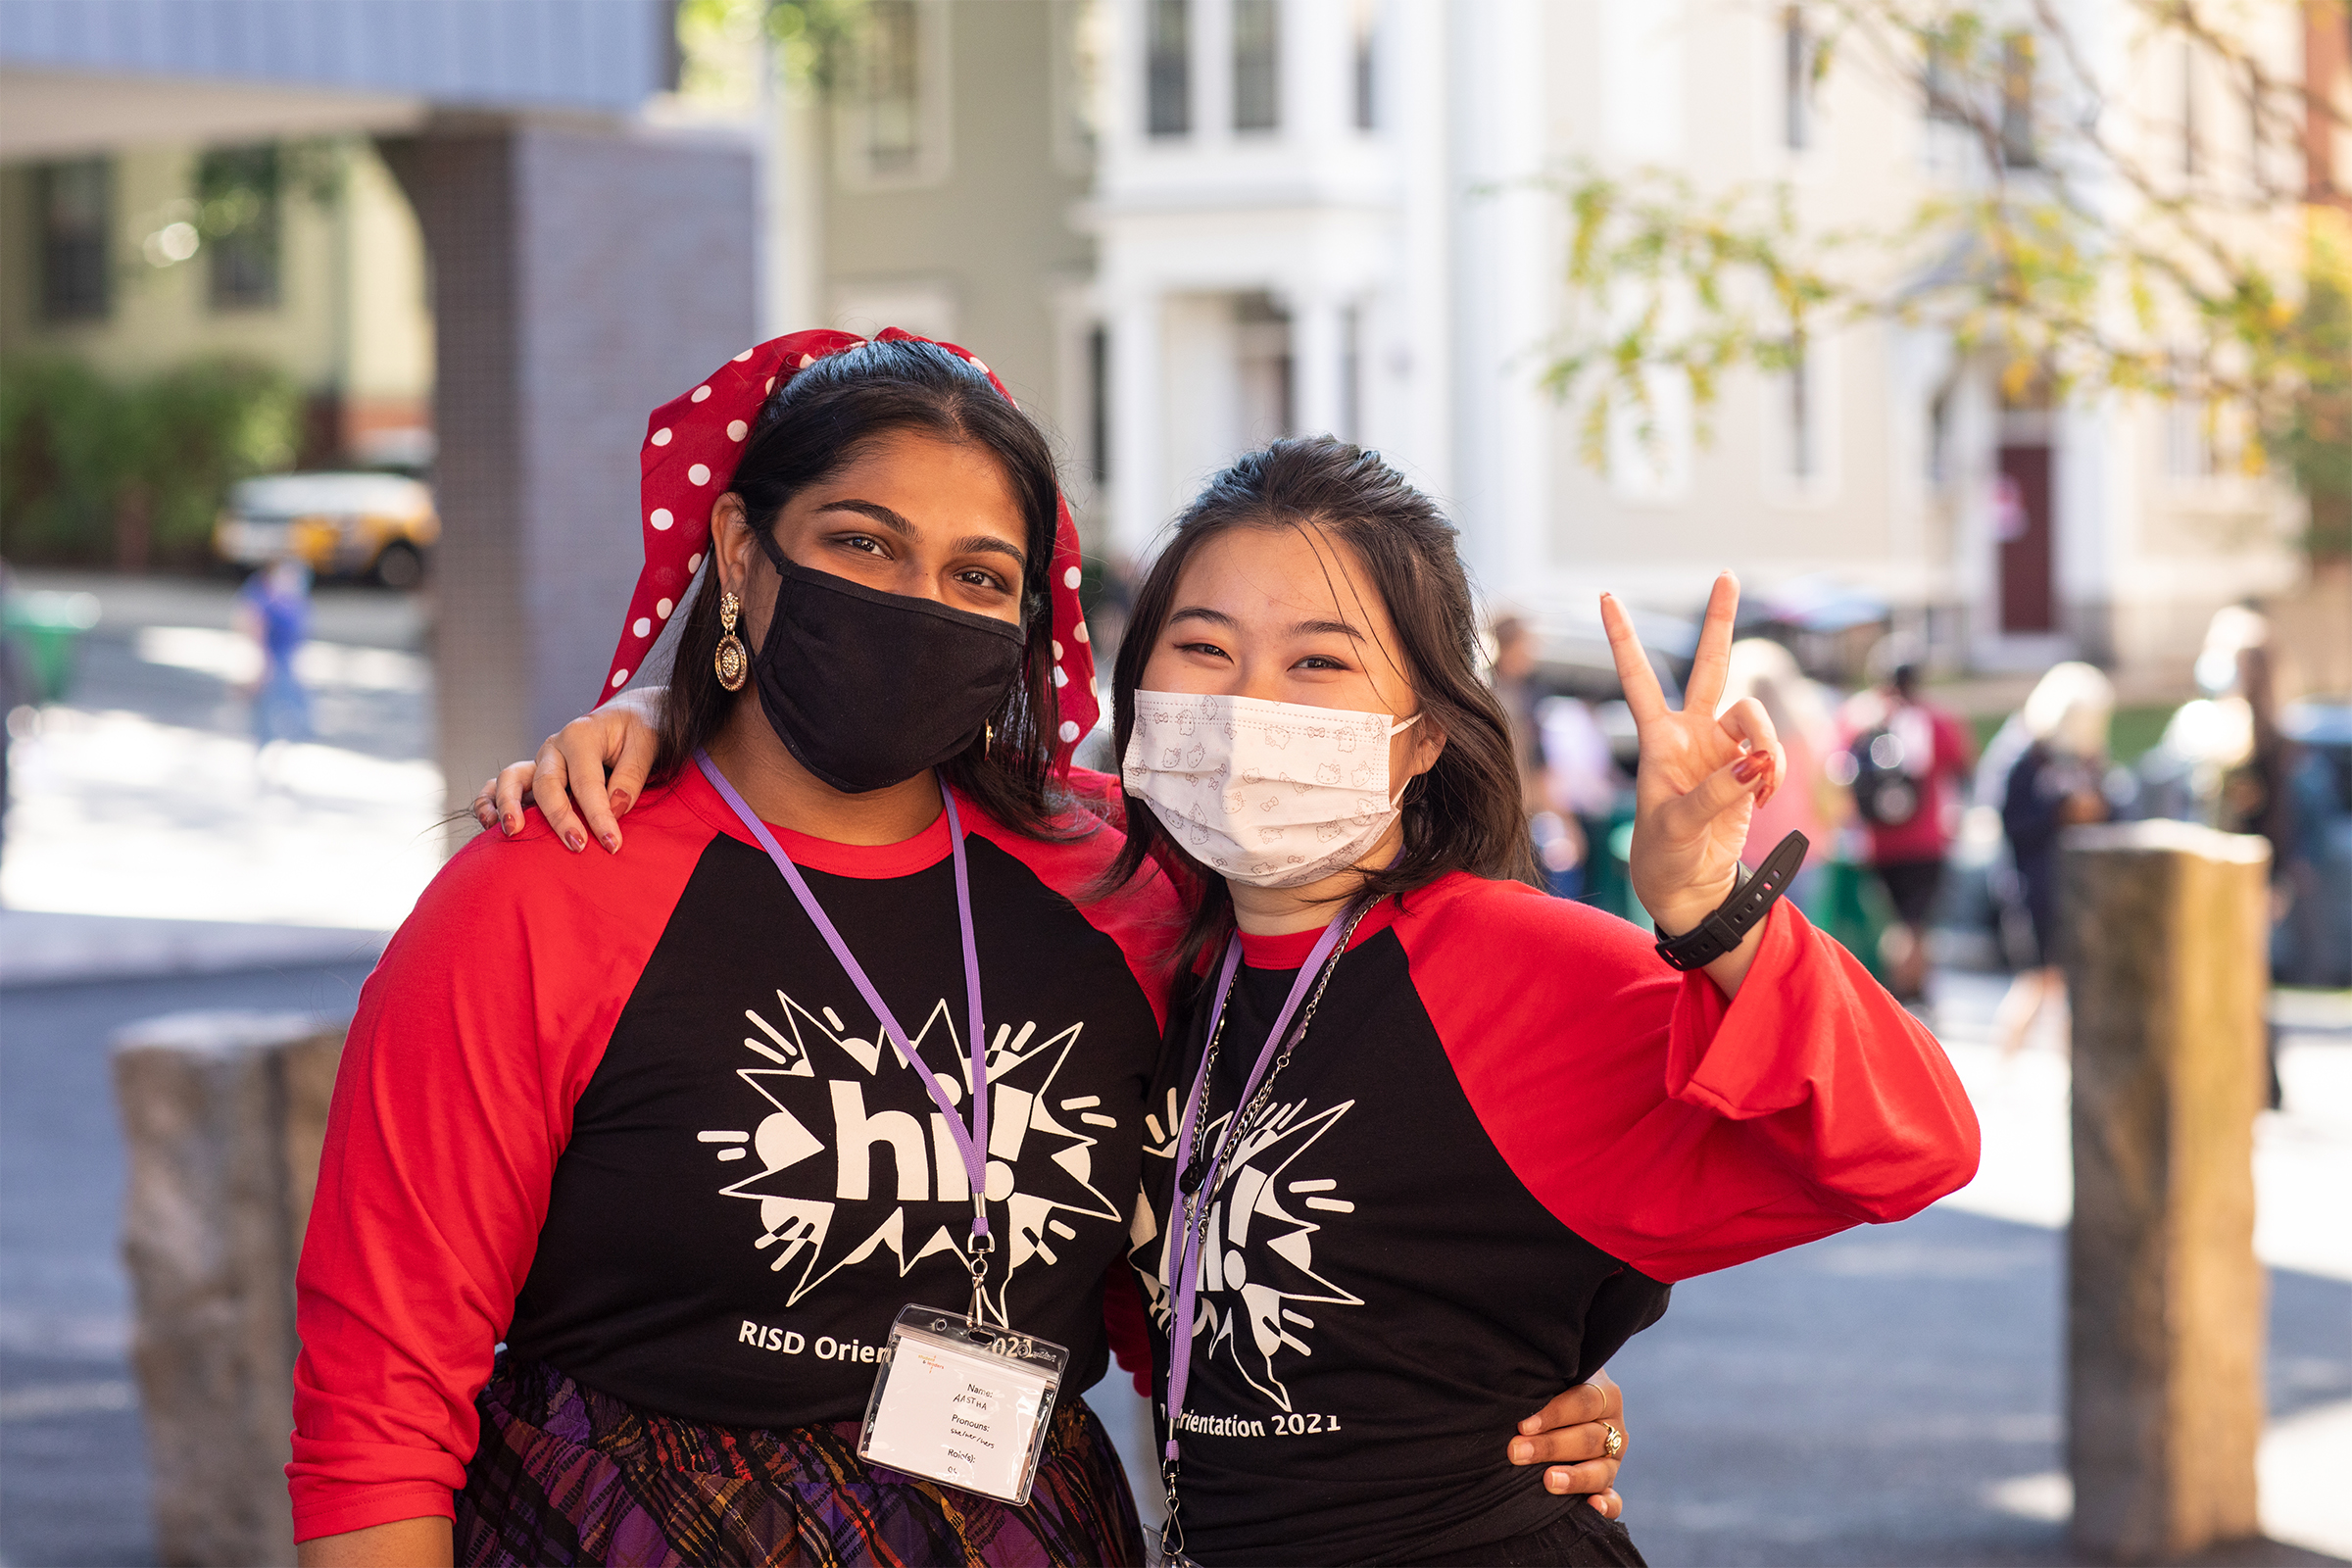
{"type": "Point", "coordinates": [1735, 916]}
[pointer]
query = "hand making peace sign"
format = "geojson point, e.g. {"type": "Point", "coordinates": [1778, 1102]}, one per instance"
{"type": "Point", "coordinates": [1702, 777]}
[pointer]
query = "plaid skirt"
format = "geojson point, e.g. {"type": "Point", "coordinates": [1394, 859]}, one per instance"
{"type": "Point", "coordinates": [567, 1475]}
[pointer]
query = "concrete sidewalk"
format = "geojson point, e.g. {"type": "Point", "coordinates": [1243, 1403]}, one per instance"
{"type": "Point", "coordinates": [40, 948]}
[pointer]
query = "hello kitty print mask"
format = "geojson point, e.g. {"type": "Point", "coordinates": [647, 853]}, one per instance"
{"type": "Point", "coordinates": [1276, 794]}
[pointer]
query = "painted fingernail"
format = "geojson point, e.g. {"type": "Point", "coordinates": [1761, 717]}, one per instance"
{"type": "Point", "coordinates": [611, 843]}
{"type": "Point", "coordinates": [574, 843]}
{"type": "Point", "coordinates": [620, 800]}
{"type": "Point", "coordinates": [1748, 766]}
{"type": "Point", "coordinates": [512, 823]}
{"type": "Point", "coordinates": [1521, 1450]}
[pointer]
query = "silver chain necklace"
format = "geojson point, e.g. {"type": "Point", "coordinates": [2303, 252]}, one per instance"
{"type": "Point", "coordinates": [1246, 1118]}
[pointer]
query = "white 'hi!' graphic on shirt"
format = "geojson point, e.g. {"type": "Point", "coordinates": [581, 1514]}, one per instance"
{"type": "Point", "coordinates": [846, 1180]}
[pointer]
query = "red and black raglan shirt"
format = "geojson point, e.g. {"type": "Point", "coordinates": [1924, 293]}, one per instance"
{"type": "Point", "coordinates": [627, 1115]}
{"type": "Point", "coordinates": [1509, 1129]}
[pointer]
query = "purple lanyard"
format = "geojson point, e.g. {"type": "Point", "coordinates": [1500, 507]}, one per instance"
{"type": "Point", "coordinates": [971, 1143]}
{"type": "Point", "coordinates": [1193, 1206]}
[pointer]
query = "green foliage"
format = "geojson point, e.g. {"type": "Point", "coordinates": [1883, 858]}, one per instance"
{"type": "Point", "coordinates": [2316, 444]}
{"type": "Point", "coordinates": [2073, 261]}
{"type": "Point", "coordinates": [814, 37]}
{"type": "Point", "coordinates": [78, 454]}
{"type": "Point", "coordinates": [811, 37]}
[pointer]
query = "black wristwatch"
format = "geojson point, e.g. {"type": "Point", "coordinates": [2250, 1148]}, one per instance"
{"type": "Point", "coordinates": [1735, 916]}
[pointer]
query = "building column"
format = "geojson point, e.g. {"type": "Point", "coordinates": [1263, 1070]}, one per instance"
{"type": "Point", "coordinates": [1138, 423]}
{"type": "Point", "coordinates": [1318, 364]}
{"type": "Point", "coordinates": [581, 276]}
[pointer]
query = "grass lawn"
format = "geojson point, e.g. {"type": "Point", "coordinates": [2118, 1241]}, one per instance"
{"type": "Point", "coordinates": [2133, 732]}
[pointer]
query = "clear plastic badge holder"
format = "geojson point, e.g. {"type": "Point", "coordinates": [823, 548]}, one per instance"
{"type": "Point", "coordinates": [963, 1402]}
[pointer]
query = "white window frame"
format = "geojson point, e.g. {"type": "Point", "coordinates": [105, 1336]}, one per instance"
{"type": "Point", "coordinates": [934, 111]}
{"type": "Point", "coordinates": [1783, 484]}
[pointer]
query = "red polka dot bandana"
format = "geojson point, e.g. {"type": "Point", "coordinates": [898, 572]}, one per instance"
{"type": "Point", "coordinates": [692, 444]}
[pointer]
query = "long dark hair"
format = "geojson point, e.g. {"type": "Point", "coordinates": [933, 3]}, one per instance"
{"type": "Point", "coordinates": [1464, 814]}
{"type": "Point", "coordinates": [812, 427]}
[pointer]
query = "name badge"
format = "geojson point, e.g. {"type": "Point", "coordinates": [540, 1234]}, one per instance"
{"type": "Point", "coordinates": [961, 1403]}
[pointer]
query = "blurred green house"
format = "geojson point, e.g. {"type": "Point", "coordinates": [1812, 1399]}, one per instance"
{"type": "Point", "coordinates": [174, 318]}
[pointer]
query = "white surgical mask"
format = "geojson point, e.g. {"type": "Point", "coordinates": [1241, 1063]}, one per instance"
{"type": "Point", "coordinates": [1276, 794]}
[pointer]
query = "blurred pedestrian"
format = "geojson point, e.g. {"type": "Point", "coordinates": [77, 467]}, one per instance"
{"type": "Point", "coordinates": [1561, 844]}
{"type": "Point", "coordinates": [2056, 784]}
{"type": "Point", "coordinates": [273, 609]}
{"type": "Point", "coordinates": [1808, 801]}
{"type": "Point", "coordinates": [1517, 652]}
{"type": "Point", "coordinates": [2258, 796]}
{"type": "Point", "coordinates": [1583, 786]}
{"type": "Point", "coordinates": [1902, 759]}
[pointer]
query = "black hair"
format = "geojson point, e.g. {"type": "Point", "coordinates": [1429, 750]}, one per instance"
{"type": "Point", "coordinates": [1465, 814]}
{"type": "Point", "coordinates": [815, 424]}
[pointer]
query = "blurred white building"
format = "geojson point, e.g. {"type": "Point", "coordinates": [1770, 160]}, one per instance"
{"type": "Point", "coordinates": [1191, 225]}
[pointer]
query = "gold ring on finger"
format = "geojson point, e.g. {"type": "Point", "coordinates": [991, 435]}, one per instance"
{"type": "Point", "coordinates": [1614, 1443]}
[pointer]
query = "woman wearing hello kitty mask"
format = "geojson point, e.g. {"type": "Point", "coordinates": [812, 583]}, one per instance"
{"type": "Point", "coordinates": [1479, 1130]}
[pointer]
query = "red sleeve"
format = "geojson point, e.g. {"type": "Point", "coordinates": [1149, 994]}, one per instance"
{"type": "Point", "coordinates": [1953, 740]}
{"type": "Point", "coordinates": [1142, 916]}
{"type": "Point", "coordinates": [1672, 1129]}
{"type": "Point", "coordinates": [474, 1039]}
{"type": "Point", "coordinates": [1123, 1322]}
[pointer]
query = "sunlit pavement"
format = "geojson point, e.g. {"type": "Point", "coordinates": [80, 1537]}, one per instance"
{"type": "Point", "coordinates": [142, 795]}
{"type": "Point", "coordinates": [2303, 1178]}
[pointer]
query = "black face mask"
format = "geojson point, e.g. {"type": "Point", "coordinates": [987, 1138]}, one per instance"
{"type": "Point", "coordinates": [868, 689]}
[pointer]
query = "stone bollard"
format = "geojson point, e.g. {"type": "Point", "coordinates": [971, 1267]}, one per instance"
{"type": "Point", "coordinates": [2165, 949]}
{"type": "Point", "coordinates": [223, 1115]}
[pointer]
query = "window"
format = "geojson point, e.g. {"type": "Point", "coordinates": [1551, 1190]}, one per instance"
{"type": "Point", "coordinates": [1351, 375]}
{"type": "Point", "coordinates": [1367, 31]}
{"type": "Point", "coordinates": [1800, 418]}
{"type": "Point", "coordinates": [892, 107]}
{"type": "Point", "coordinates": [1077, 63]}
{"type": "Point", "coordinates": [2188, 107]}
{"type": "Point", "coordinates": [1266, 372]}
{"type": "Point", "coordinates": [1804, 420]}
{"type": "Point", "coordinates": [1097, 410]}
{"type": "Point", "coordinates": [891, 119]}
{"type": "Point", "coordinates": [2018, 149]}
{"type": "Point", "coordinates": [238, 189]}
{"type": "Point", "coordinates": [1797, 80]}
{"type": "Point", "coordinates": [1169, 68]}
{"type": "Point", "coordinates": [75, 203]}
{"type": "Point", "coordinates": [1256, 65]}
{"type": "Point", "coordinates": [1945, 81]}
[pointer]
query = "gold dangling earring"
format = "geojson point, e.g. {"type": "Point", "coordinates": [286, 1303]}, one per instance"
{"type": "Point", "coordinates": [731, 661]}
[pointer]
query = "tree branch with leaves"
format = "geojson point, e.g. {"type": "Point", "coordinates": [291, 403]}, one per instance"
{"type": "Point", "coordinates": [2060, 230]}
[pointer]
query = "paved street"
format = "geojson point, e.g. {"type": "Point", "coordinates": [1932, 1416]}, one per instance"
{"type": "Point", "coordinates": [141, 793]}
{"type": "Point", "coordinates": [1891, 1396]}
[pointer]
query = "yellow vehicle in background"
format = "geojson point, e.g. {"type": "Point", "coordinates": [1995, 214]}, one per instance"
{"type": "Point", "coordinates": [381, 525]}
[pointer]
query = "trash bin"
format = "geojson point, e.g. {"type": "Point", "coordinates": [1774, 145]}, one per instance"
{"type": "Point", "coordinates": [48, 625]}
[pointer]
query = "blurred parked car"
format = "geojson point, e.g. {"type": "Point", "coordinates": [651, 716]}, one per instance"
{"type": "Point", "coordinates": [339, 525]}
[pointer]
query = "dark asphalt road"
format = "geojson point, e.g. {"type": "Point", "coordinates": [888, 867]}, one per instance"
{"type": "Point", "coordinates": [1856, 1402]}
{"type": "Point", "coordinates": [73, 1460]}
